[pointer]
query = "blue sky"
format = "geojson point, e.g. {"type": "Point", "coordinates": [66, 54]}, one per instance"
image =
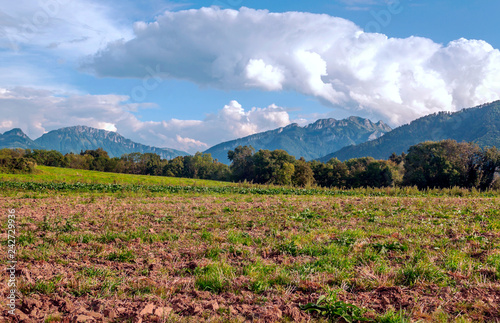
{"type": "Point", "coordinates": [169, 77]}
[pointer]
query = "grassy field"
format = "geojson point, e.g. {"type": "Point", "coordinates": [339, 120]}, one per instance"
{"type": "Point", "coordinates": [67, 175]}
{"type": "Point", "coordinates": [233, 253]}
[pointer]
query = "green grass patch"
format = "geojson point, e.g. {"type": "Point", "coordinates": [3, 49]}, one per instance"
{"type": "Point", "coordinates": [215, 277]}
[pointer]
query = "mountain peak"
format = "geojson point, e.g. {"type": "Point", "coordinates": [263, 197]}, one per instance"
{"type": "Point", "coordinates": [382, 125]}
{"type": "Point", "coordinates": [292, 125]}
{"type": "Point", "coordinates": [15, 132]}
{"type": "Point", "coordinates": [356, 119]}
{"type": "Point", "coordinates": [321, 123]}
{"type": "Point", "coordinates": [16, 138]}
{"type": "Point", "coordinates": [77, 138]}
{"type": "Point", "coordinates": [310, 141]}
{"type": "Point", "coordinates": [480, 124]}
{"type": "Point", "coordinates": [82, 129]}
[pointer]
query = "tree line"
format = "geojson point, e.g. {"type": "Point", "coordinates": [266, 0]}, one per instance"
{"type": "Point", "coordinates": [443, 164]}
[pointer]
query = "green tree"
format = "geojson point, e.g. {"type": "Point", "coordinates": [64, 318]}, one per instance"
{"type": "Point", "coordinates": [303, 175]}
{"type": "Point", "coordinates": [242, 166]}
{"type": "Point", "coordinates": [397, 159]}
{"type": "Point", "coordinates": [199, 166]}
{"type": "Point", "coordinates": [78, 161]}
{"type": "Point", "coordinates": [332, 174]}
{"type": "Point", "coordinates": [130, 163]}
{"type": "Point", "coordinates": [282, 167]}
{"type": "Point", "coordinates": [150, 164]}
{"type": "Point", "coordinates": [283, 174]}
{"type": "Point", "coordinates": [380, 173]}
{"type": "Point", "coordinates": [100, 159]}
{"type": "Point", "coordinates": [357, 170]}
{"type": "Point", "coordinates": [273, 167]}
{"type": "Point", "coordinates": [368, 172]}
{"type": "Point", "coordinates": [47, 157]}
{"type": "Point", "coordinates": [220, 172]}
{"type": "Point", "coordinates": [174, 167]}
{"type": "Point", "coordinates": [490, 162]}
{"type": "Point", "coordinates": [262, 167]}
{"type": "Point", "coordinates": [446, 164]}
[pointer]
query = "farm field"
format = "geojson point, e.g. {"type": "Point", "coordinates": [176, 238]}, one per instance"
{"type": "Point", "coordinates": [67, 175]}
{"type": "Point", "coordinates": [122, 248]}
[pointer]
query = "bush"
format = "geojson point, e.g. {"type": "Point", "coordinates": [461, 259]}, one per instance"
{"type": "Point", "coordinates": [13, 161]}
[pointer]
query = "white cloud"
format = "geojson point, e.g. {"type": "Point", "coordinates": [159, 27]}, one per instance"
{"type": "Point", "coordinates": [266, 76]}
{"type": "Point", "coordinates": [37, 111]}
{"type": "Point", "coordinates": [106, 126]}
{"type": "Point", "coordinates": [70, 27]}
{"type": "Point", "coordinates": [328, 58]}
{"type": "Point", "coordinates": [190, 142]}
{"type": "Point", "coordinates": [42, 41]}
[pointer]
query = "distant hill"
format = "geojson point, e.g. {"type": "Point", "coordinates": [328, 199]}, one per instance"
{"type": "Point", "coordinates": [78, 138]}
{"type": "Point", "coordinates": [312, 141]}
{"type": "Point", "coordinates": [16, 138]}
{"type": "Point", "coordinates": [480, 125]}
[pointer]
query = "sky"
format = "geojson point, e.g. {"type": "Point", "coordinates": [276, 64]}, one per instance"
{"type": "Point", "coordinates": [191, 74]}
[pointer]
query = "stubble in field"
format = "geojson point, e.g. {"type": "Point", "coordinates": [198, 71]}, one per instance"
{"type": "Point", "coordinates": [220, 257]}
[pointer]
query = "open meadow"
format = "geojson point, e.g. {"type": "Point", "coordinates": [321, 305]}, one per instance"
{"type": "Point", "coordinates": [107, 247]}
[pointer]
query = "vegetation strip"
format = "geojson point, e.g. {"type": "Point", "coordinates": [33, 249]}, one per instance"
{"type": "Point", "coordinates": [173, 189]}
{"type": "Point", "coordinates": [444, 164]}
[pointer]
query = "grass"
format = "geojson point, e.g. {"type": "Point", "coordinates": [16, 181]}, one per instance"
{"type": "Point", "coordinates": [229, 255]}
{"type": "Point", "coordinates": [75, 180]}
{"type": "Point", "coordinates": [121, 256]}
{"type": "Point", "coordinates": [214, 277]}
{"type": "Point", "coordinates": [333, 309]}
{"type": "Point", "coordinates": [43, 286]}
{"type": "Point", "coordinates": [67, 175]}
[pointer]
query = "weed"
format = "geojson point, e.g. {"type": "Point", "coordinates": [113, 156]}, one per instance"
{"type": "Point", "coordinates": [213, 253]}
{"type": "Point", "coordinates": [412, 273]}
{"type": "Point", "coordinates": [392, 316]}
{"type": "Point", "coordinates": [389, 246]}
{"type": "Point", "coordinates": [53, 318]}
{"type": "Point", "coordinates": [94, 272]}
{"type": "Point", "coordinates": [45, 225]}
{"type": "Point", "coordinates": [165, 218]}
{"type": "Point", "coordinates": [27, 238]}
{"type": "Point", "coordinates": [67, 227]}
{"type": "Point", "coordinates": [494, 261]}
{"type": "Point", "coordinates": [207, 236]}
{"type": "Point", "coordinates": [333, 309]}
{"type": "Point", "coordinates": [289, 248]}
{"type": "Point", "coordinates": [214, 277]}
{"type": "Point", "coordinates": [123, 256]}
{"type": "Point", "coordinates": [43, 286]}
{"type": "Point", "coordinates": [305, 215]}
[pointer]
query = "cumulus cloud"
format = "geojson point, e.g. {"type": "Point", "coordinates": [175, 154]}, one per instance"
{"type": "Point", "coordinates": [37, 111]}
{"type": "Point", "coordinates": [329, 58]}
{"type": "Point", "coordinates": [230, 122]}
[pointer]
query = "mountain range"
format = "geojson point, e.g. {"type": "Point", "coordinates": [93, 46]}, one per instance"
{"type": "Point", "coordinates": [480, 125]}
{"type": "Point", "coordinates": [78, 138]}
{"type": "Point", "coordinates": [312, 141]}
{"type": "Point", "coordinates": [324, 139]}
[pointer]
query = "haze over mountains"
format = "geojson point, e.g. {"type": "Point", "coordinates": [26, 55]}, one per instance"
{"type": "Point", "coordinates": [78, 138]}
{"type": "Point", "coordinates": [311, 142]}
